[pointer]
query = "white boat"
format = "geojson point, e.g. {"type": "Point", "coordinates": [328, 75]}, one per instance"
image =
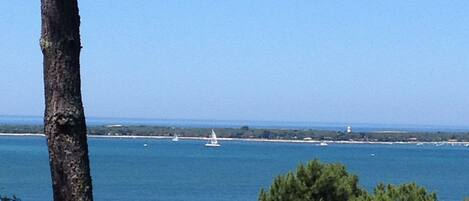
{"type": "Point", "coordinates": [419, 144]}
{"type": "Point", "coordinates": [175, 138]}
{"type": "Point", "coordinates": [213, 140]}
{"type": "Point", "coordinates": [323, 144]}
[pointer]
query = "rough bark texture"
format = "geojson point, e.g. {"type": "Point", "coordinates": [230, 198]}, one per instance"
{"type": "Point", "coordinates": [64, 120]}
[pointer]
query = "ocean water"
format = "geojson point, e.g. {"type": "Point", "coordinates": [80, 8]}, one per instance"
{"type": "Point", "coordinates": [123, 169]}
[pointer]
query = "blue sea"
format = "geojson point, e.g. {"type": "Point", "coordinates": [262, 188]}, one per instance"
{"type": "Point", "coordinates": [123, 169]}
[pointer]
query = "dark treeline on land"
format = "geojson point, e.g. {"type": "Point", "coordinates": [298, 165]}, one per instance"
{"type": "Point", "coordinates": [246, 132]}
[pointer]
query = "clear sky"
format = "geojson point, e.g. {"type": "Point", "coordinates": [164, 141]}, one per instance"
{"type": "Point", "coordinates": [322, 61]}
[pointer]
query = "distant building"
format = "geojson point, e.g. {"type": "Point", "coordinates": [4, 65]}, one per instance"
{"type": "Point", "coordinates": [349, 129]}
{"type": "Point", "coordinates": [114, 126]}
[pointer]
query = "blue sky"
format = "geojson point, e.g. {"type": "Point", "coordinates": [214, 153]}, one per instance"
{"type": "Point", "coordinates": [322, 61]}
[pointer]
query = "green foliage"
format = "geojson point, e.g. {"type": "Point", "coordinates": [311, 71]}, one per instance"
{"type": "Point", "coordinates": [331, 182]}
{"type": "Point", "coordinates": [314, 182]}
{"type": "Point", "coordinates": [404, 192]}
{"type": "Point", "coordinates": [5, 198]}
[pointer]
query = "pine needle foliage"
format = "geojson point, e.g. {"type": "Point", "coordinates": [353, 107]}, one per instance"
{"type": "Point", "coordinates": [316, 181]}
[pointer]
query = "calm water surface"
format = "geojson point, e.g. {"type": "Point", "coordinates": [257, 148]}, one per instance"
{"type": "Point", "coordinates": [123, 169]}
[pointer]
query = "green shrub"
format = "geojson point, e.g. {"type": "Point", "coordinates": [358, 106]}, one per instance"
{"type": "Point", "coordinates": [5, 198]}
{"type": "Point", "coordinates": [331, 182]}
{"type": "Point", "coordinates": [404, 192]}
{"type": "Point", "coordinates": [315, 181]}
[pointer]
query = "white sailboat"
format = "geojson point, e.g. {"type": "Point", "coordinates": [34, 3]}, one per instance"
{"type": "Point", "coordinates": [213, 140]}
{"type": "Point", "coordinates": [175, 138]}
{"type": "Point", "coordinates": [323, 144]}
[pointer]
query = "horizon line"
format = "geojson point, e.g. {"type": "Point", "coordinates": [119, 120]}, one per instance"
{"type": "Point", "coordinates": [410, 125]}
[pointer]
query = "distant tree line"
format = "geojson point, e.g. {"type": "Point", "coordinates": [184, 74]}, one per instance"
{"type": "Point", "coordinates": [246, 132]}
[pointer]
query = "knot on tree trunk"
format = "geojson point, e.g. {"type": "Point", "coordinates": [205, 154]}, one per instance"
{"type": "Point", "coordinates": [48, 44]}
{"type": "Point", "coordinates": [66, 118]}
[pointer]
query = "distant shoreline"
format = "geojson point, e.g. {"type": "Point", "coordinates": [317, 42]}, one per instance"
{"type": "Point", "coordinates": [259, 124]}
{"type": "Point", "coordinates": [247, 139]}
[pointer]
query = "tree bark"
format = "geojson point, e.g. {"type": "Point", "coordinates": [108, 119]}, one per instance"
{"type": "Point", "coordinates": [64, 119]}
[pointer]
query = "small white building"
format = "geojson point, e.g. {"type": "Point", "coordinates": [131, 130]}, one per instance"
{"type": "Point", "coordinates": [349, 129]}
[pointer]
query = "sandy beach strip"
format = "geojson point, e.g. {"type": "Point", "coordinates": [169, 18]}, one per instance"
{"type": "Point", "coordinates": [247, 139]}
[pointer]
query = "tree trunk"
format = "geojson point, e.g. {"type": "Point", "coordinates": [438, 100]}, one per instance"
{"type": "Point", "coordinates": [64, 119]}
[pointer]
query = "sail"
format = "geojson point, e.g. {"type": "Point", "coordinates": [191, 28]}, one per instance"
{"type": "Point", "coordinates": [175, 138]}
{"type": "Point", "coordinates": [213, 140]}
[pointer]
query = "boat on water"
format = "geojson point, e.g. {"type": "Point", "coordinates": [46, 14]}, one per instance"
{"type": "Point", "coordinates": [175, 138]}
{"type": "Point", "coordinates": [323, 144]}
{"type": "Point", "coordinates": [419, 144]}
{"type": "Point", "coordinates": [213, 142]}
